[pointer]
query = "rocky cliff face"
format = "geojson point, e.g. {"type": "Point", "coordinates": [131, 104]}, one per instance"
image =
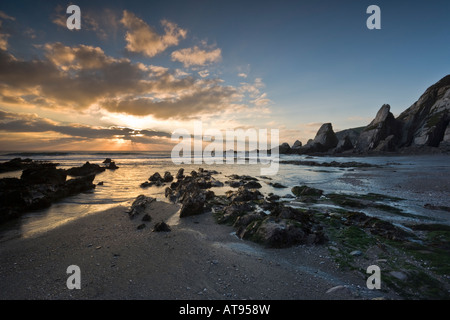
{"type": "Point", "coordinates": [425, 124]}
{"type": "Point", "coordinates": [426, 121]}
{"type": "Point", "coordinates": [383, 127]}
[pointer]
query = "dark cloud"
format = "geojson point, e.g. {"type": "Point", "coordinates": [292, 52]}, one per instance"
{"type": "Point", "coordinates": [79, 77]}
{"type": "Point", "coordinates": [12, 122]}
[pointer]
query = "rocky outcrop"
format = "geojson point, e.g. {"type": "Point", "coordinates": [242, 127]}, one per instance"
{"type": "Point", "coordinates": [191, 191]}
{"type": "Point", "coordinates": [344, 144]}
{"type": "Point", "coordinates": [139, 206]}
{"type": "Point", "coordinates": [425, 122]}
{"type": "Point", "coordinates": [383, 126]}
{"type": "Point", "coordinates": [423, 125]}
{"type": "Point", "coordinates": [284, 148]}
{"type": "Point", "coordinates": [325, 138]}
{"type": "Point", "coordinates": [296, 146]}
{"type": "Point", "coordinates": [38, 188]}
{"type": "Point", "coordinates": [85, 170]}
{"type": "Point", "coordinates": [18, 164]}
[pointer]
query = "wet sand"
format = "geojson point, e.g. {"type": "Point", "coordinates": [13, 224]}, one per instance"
{"type": "Point", "coordinates": [197, 260]}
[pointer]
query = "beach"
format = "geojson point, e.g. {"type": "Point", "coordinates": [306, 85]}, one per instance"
{"type": "Point", "coordinates": [198, 259]}
{"type": "Point", "coordinates": [202, 258]}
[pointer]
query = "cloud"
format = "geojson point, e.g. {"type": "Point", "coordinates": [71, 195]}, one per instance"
{"type": "Point", "coordinates": [196, 56]}
{"type": "Point", "coordinates": [4, 16]}
{"type": "Point", "coordinates": [4, 36]}
{"type": "Point", "coordinates": [32, 123]}
{"type": "Point", "coordinates": [203, 73]}
{"type": "Point", "coordinates": [141, 38]}
{"type": "Point", "coordinates": [242, 75]}
{"type": "Point", "coordinates": [83, 76]}
{"type": "Point", "coordinates": [199, 100]}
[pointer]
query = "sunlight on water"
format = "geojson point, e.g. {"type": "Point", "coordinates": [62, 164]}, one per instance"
{"type": "Point", "coordinates": [122, 186]}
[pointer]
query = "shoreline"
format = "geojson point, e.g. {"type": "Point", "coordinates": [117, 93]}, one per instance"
{"type": "Point", "coordinates": [202, 259]}
{"type": "Point", "coordinates": [198, 259]}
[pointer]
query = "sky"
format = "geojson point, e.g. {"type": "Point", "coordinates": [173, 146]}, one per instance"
{"type": "Point", "coordinates": [137, 71]}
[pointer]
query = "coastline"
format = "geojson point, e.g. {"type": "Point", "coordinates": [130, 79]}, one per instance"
{"type": "Point", "coordinates": [199, 259]}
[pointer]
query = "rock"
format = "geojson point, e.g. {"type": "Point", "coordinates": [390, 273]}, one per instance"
{"type": "Point", "coordinates": [180, 174]}
{"type": "Point", "coordinates": [356, 253]}
{"type": "Point", "coordinates": [17, 164]}
{"type": "Point", "coordinates": [277, 185]}
{"type": "Point", "coordinates": [234, 184]}
{"type": "Point", "coordinates": [352, 134]}
{"type": "Point", "coordinates": [139, 205]}
{"type": "Point", "coordinates": [344, 145]}
{"type": "Point", "coordinates": [387, 144]}
{"type": "Point", "coordinates": [339, 290]}
{"type": "Point", "coordinates": [216, 184]}
{"type": "Point", "coordinates": [306, 191]}
{"type": "Point", "coordinates": [111, 166]}
{"type": "Point", "coordinates": [326, 137]}
{"type": "Point", "coordinates": [156, 177]}
{"type": "Point", "coordinates": [141, 226]}
{"type": "Point", "coordinates": [168, 177]}
{"type": "Point", "coordinates": [146, 218]}
{"type": "Point", "coordinates": [252, 185]}
{"type": "Point", "coordinates": [161, 227]}
{"type": "Point", "coordinates": [100, 183]}
{"type": "Point", "coordinates": [244, 194]}
{"type": "Point", "coordinates": [44, 175]}
{"type": "Point", "coordinates": [146, 184]}
{"type": "Point", "coordinates": [284, 148]}
{"type": "Point", "coordinates": [297, 144]}
{"type": "Point", "coordinates": [399, 275]}
{"type": "Point", "coordinates": [276, 233]}
{"type": "Point", "coordinates": [383, 126]}
{"type": "Point", "coordinates": [192, 204]}
{"type": "Point", "coordinates": [85, 170]}
{"type": "Point", "coordinates": [107, 160]}
{"type": "Point", "coordinates": [233, 211]}
{"type": "Point", "coordinates": [425, 122]}
{"type": "Point", "coordinates": [273, 197]}
{"type": "Point", "coordinates": [18, 196]}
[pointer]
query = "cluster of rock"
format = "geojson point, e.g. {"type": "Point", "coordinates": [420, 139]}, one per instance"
{"type": "Point", "coordinates": [139, 207]}
{"type": "Point", "coordinates": [266, 221]}
{"type": "Point", "coordinates": [40, 185]}
{"type": "Point", "coordinates": [90, 168]}
{"type": "Point", "coordinates": [422, 126]}
{"type": "Point", "coordinates": [255, 217]}
{"type": "Point", "coordinates": [191, 191]}
{"type": "Point", "coordinates": [157, 180]}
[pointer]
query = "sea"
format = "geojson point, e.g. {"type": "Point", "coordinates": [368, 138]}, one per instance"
{"type": "Point", "coordinates": [418, 180]}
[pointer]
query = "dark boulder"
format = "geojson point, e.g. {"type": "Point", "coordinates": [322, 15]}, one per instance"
{"type": "Point", "coordinates": [85, 170]}
{"type": "Point", "coordinates": [168, 177]}
{"type": "Point", "coordinates": [44, 175]}
{"type": "Point", "coordinates": [180, 174]}
{"type": "Point", "coordinates": [161, 227]}
{"type": "Point", "coordinates": [306, 191]}
{"type": "Point", "coordinates": [156, 177]}
{"type": "Point", "coordinates": [284, 148]}
{"type": "Point", "coordinates": [252, 185]}
{"type": "Point", "coordinates": [193, 204]}
{"type": "Point", "coordinates": [111, 166]}
{"type": "Point", "coordinates": [139, 205]}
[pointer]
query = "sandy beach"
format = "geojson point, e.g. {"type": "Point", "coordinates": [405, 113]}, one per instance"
{"type": "Point", "coordinates": [198, 259]}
